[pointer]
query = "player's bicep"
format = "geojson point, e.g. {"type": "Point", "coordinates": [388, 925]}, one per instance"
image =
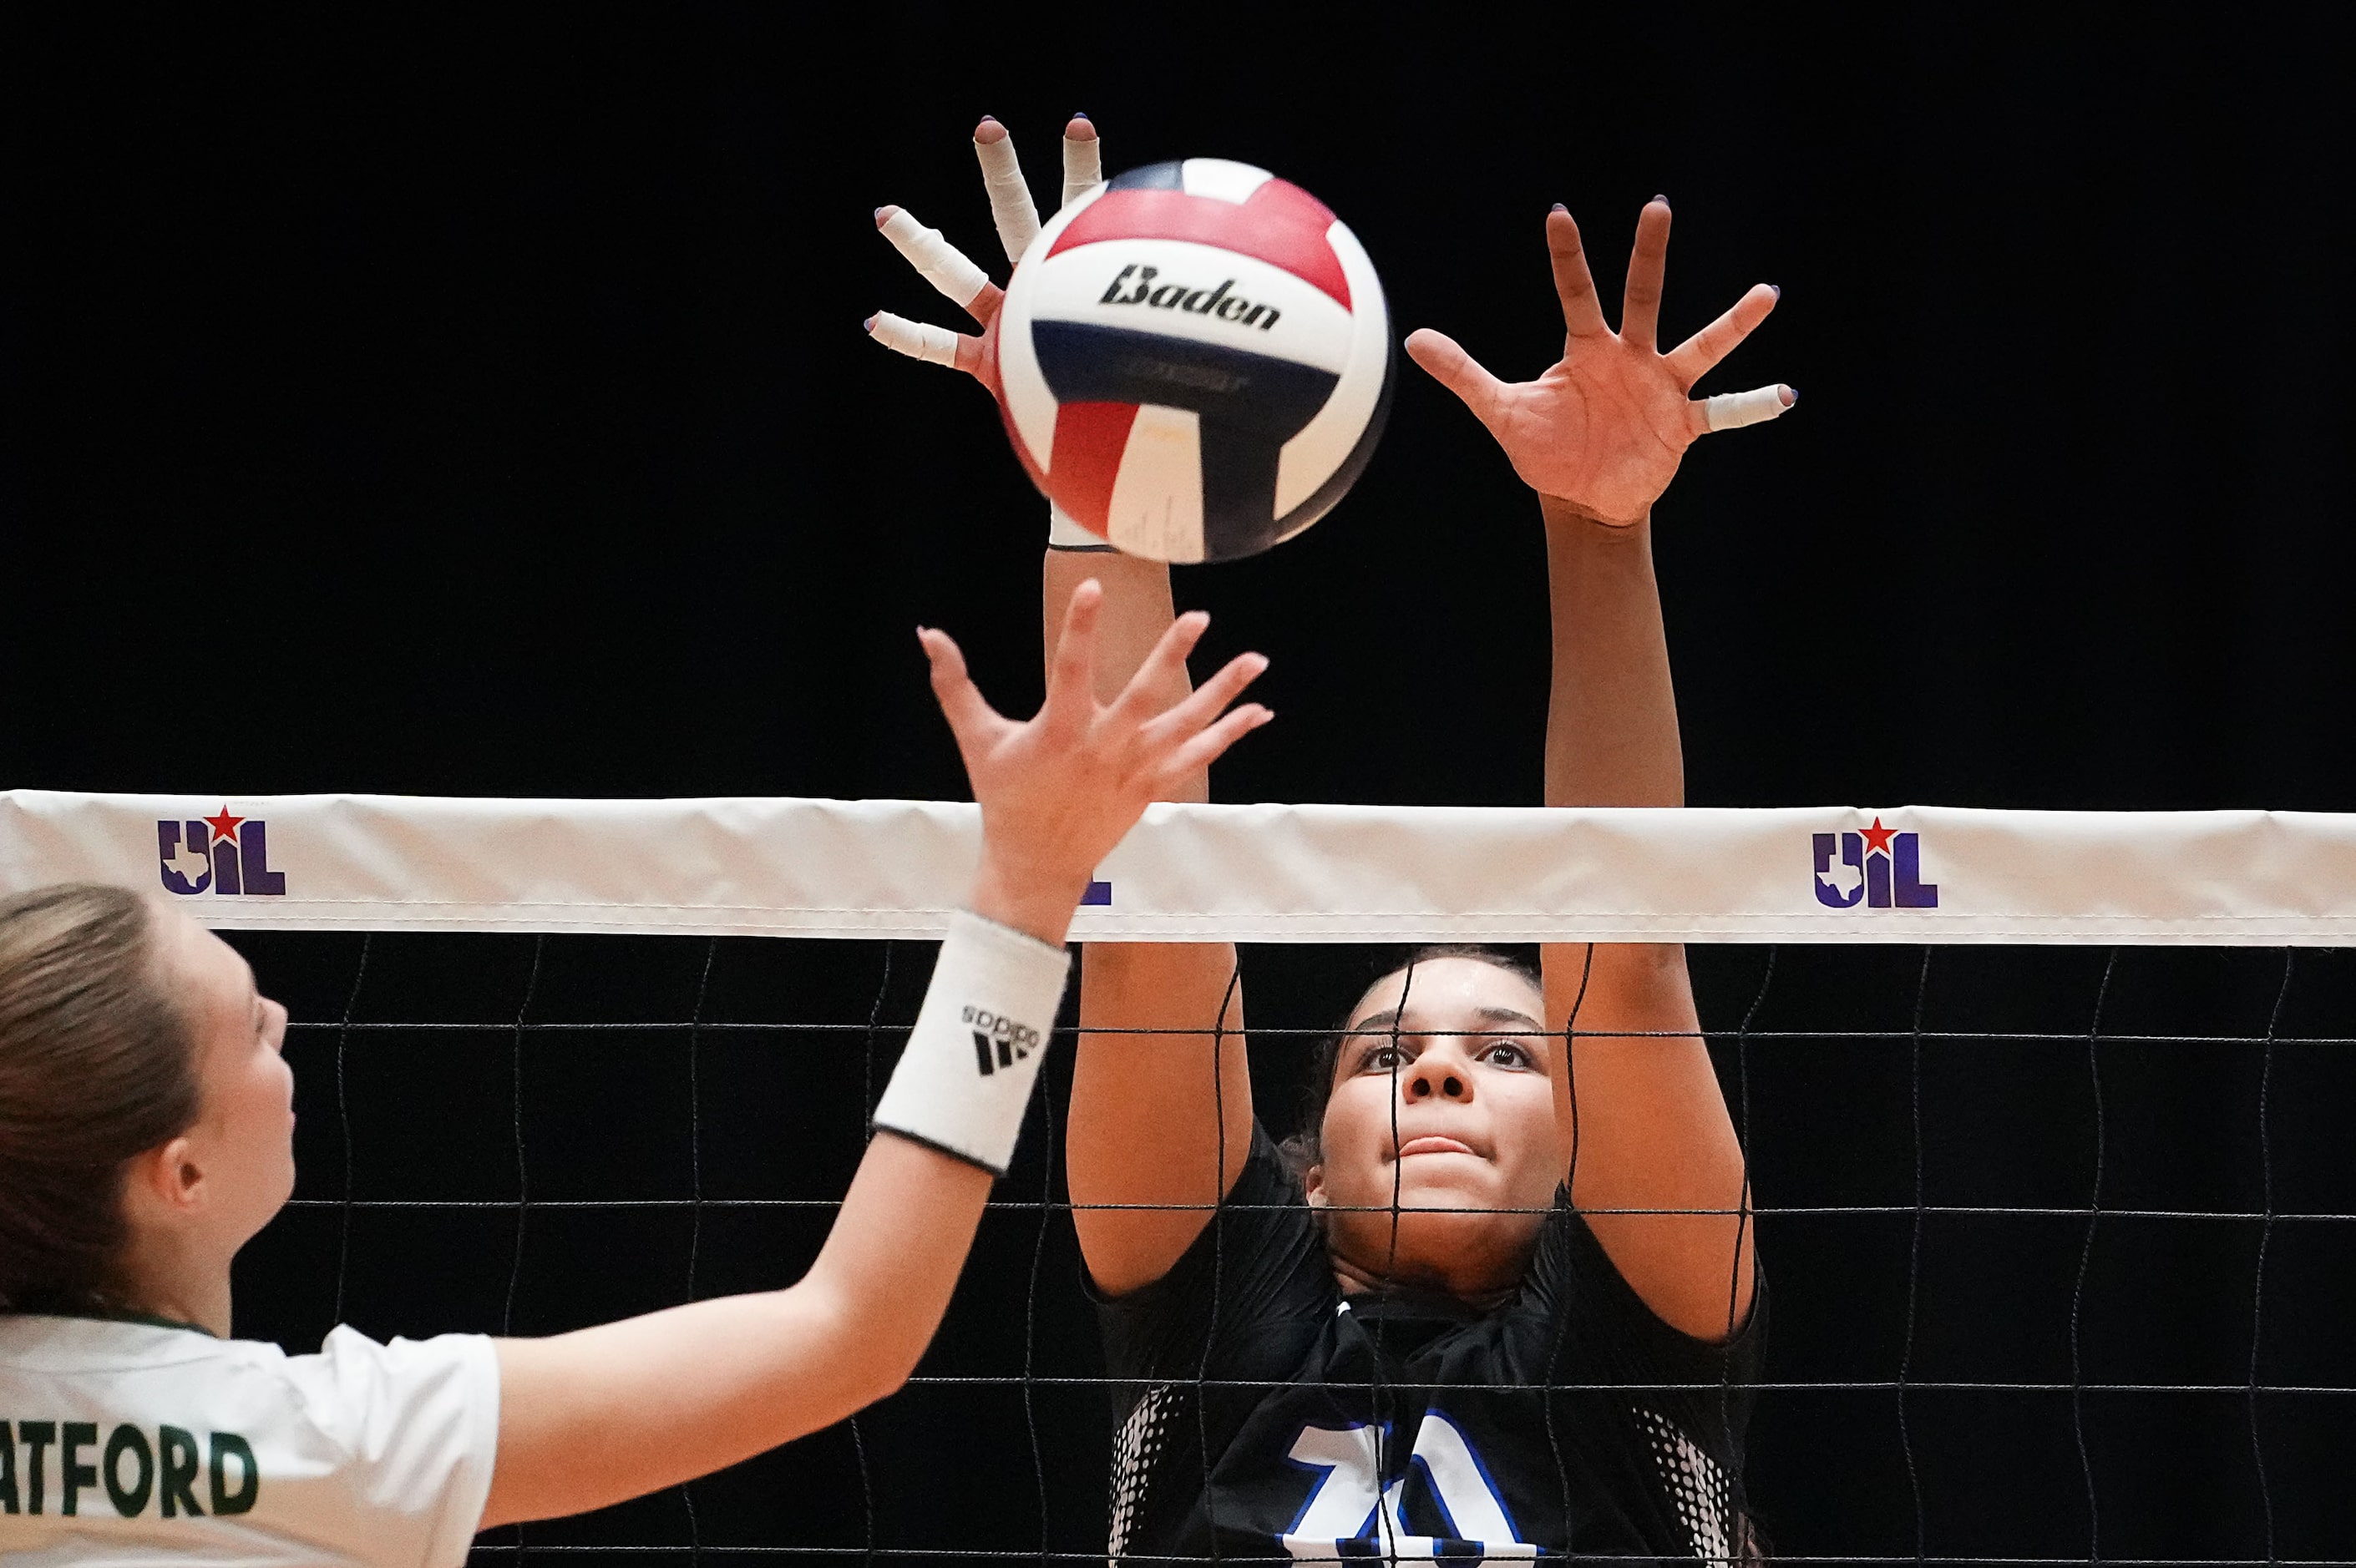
{"type": "Point", "coordinates": [1162, 1111]}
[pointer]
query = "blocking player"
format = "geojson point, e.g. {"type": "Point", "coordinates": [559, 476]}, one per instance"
{"type": "Point", "coordinates": [1504, 1299]}
{"type": "Point", "coordinates": [146, 1134]}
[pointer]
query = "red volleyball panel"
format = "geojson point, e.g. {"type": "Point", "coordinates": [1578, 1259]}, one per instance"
{"type": "Point", "coordinates": [1089, 441]}
{"type": "Point", "coordinates": [1282, 225]}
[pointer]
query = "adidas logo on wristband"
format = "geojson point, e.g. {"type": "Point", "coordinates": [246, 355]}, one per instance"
{"type": "Point", "coordinates": [998, 1040]}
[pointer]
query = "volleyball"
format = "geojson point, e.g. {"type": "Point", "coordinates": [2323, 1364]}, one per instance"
{"type": "Point", "coordinates": [1193, 360]}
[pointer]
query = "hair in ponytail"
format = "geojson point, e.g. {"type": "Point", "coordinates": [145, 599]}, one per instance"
{"type": "Point", "coordinates": [96, 1065]}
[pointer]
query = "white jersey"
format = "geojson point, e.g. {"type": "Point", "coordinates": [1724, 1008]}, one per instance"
{"type": "Point", "coordinates": [127, 1442]}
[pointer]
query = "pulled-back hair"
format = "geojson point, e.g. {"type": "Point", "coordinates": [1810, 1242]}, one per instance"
{"type": "Point", "coordinates": [1305, 1148]}
{"type": "Point", "coordinates": [96, 1065]}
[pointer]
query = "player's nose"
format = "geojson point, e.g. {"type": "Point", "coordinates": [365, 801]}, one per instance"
{"type": "Point", "coordinates": [1438, 1072]}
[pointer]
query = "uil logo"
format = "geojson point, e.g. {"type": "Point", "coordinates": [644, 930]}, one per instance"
{"type": "Point", "coordinates": [1888, 867]}
{"type": "Point", "coordinates": [221, 854]}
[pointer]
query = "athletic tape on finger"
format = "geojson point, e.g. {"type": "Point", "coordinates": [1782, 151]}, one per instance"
{"type": "Point", "coordinates": [1010, 198]}
{"type": "Point", "coordinates": [1730, 410]}
{"type": "Point", "coordinates": [942, 265]}
{"type": "Point", "coordinates": [916, 340]}
{"type": "Point", "coordinates": [1083, 167]}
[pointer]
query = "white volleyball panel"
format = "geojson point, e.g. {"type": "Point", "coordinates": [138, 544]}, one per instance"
{"type": "Point", "coordinates": [1176, 288]}
{"type": "Point", "coordinates": [1223, 179]}
{"type": "Point", "coordinates": [1324, 444]}
{"type": "Point", "coordinates": [1157, 495]}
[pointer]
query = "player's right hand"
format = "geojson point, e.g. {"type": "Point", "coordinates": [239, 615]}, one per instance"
{"type": "Point", "coordinates": [947, 268]}
{"type": "Point", "coordinates": [1058, 792]}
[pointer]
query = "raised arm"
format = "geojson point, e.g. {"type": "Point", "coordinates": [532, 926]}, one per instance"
{"type": "Point", "coordinates": [593, 1418]}
{"type": "Point", "coordinates": [1162, 1113]}
{"type": "Point", "coordinates": [1162, 1116]}
{"type": "Point", "coordinates": [1599, 436]}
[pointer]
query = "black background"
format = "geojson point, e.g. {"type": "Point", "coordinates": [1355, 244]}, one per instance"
{"type": "Point", "coordinates": [479, 407]}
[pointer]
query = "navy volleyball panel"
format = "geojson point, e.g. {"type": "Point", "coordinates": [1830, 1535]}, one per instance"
{"type": "Point", "coordinates": [1153, 176]}
{"type": "Point", "coordinates": [1250, 405]}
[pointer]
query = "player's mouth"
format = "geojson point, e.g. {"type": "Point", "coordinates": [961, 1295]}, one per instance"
{"type": "Point", "coordinates": [1432, 1143]}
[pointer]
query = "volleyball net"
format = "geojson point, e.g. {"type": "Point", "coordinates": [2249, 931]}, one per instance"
{"type": "Point", "coordinates": [2045, 1115]}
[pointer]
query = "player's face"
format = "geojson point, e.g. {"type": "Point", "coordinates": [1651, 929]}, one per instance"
{"type": "Point", "coordinates": [243, 1144]}
{"type": "Point", "coordinates": [1466, 1084]}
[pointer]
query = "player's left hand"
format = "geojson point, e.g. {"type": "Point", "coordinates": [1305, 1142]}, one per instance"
{"type": "Point", "coordinates": [1604, 430]}
{"type": "Point", "coordinates": [1059, 791]}
{"type": "Point", "coordinates": [947, 268]}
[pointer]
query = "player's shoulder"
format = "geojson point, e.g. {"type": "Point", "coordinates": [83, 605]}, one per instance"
{"type": "Point", "coordinates": [38, 1343]}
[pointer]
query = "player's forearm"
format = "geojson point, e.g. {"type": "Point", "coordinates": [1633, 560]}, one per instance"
{"type": "Point", "coordinates": [1611, 711]}
{"type": "Point", "coordinates": [1138, 609]}
{"type": "Point", "coordinates": [717, 1381]}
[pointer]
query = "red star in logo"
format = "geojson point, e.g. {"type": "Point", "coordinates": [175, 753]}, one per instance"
{"type": "Point", "coordinates": [223, 826]}
{"type": "Point", "coordinates": [1876, 836]}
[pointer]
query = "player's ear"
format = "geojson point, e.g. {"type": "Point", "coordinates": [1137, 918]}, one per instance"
{"type": "Point", "coordinates": [1312, 1183]}
{"type": "Point", "coordinates": [165, 1180]}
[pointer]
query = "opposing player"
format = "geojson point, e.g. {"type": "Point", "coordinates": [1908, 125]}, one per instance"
{"type": "Point", "coordinates": [1504, 1302]}
{"type": "Point", "coordinates": [146, 1135]}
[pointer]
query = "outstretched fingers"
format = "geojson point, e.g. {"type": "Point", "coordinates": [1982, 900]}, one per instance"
{"type": "Point", "coordinates": [1165, 662]}
{"type": "Point", "coordinates": [1447, 364]}
{"type": "Point", "coordinates": [922, 340]}
{"type": "Point", "coordinates": [1205, 704]}
{"type": "Point", "coordinates": [1731, 410]}
{"type": "Point", "coordinates": [1083, 159]}
{"type": "Point", "coordinates": [1209, 746]}
{"type": "Point", "coordinates": [1582, 312]}
{"type": "Point", "coordinates": [1695, 357]}
{"type": "Point", "coordinates": [1010, 198]}
{"type": "Point", "coordinates": [1640, 306]}
{"type": "Point", "coordinates": [969, 714]}
{"type": "Point", "coordinates": [940, 263]}
{"type": "Point", "coordinates": [1071, 684]}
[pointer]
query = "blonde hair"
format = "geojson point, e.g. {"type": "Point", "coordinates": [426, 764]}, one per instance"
{"type": "Point", "coordinates": [96, 1065]}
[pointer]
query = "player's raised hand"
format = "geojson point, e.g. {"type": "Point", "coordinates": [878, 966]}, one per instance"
{"type": "Point", "coordinates": [948, 268]}
{"type": "Point", "coordinates": [1059, 791]}
{"type": "Point", "coordinates": [1604, 429]}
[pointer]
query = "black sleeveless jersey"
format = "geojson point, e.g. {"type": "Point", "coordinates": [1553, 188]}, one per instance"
{"type": "Point", "coordinates": [1261, 1415]}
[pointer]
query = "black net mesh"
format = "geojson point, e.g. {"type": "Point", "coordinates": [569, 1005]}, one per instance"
{"type": "Point", "coordinates": [2062, 1241]}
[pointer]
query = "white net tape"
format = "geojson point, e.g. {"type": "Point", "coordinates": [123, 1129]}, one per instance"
{"type": "Point", "coordinates": [1250, 873]}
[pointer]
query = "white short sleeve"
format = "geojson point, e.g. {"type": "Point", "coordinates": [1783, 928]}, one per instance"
{"type": "Point", "coordinates": [420, 1422]}
{"type": "Point", "coordinates": [124, 1440]}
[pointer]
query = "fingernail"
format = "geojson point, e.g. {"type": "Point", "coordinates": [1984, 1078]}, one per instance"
{"type": "Point", "coordinates": [1079, 113]}
{"type": "Point", "coordinates": [1778, 288]}
{"type": "Point", "coordinates": [1558, 206]}
{"type": "Point", "coordinates": [989, 119]}
{"type": "Point", "coordinates": [1662, 200]}
{"type": "Point", "coordinates": [880, 220]}
{"type": "Point", "coordinates": [870, 325]}
{"type": "Point", "coordinates": [1791, 397]}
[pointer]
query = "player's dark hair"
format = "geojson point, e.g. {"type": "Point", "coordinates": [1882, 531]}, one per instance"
{"type": "Point", "coordinates": [1304, 1148]}
{"type": "Point", "coordinates": [96, 1064]}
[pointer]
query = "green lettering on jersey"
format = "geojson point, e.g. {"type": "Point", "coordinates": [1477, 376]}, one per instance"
{"type": "Point", "coordinates": [176, 1479]}
{"type": "Point", "coordinates": [226, 1446]}
{"type": "Point", "coordinates": [72, 1474]}
{"type": "Point", "coordinates": [37, 1436]}
{"type": "Point", "coordinates": [129, 1502]}
{"type": "Point", "coordinates": [7, 1469]}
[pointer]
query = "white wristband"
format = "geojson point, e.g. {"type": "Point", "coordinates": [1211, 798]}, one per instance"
{"type": "Point", "coordinates": [964, 1082]}
{"type": "Point", "coordinates": [1065, 534]}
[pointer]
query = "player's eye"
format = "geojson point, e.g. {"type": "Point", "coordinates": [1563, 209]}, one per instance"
{"type": "Point", "coordinates": [1383, 1058]}
{"type": "Point", "coordinates": [1506, 1053]}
